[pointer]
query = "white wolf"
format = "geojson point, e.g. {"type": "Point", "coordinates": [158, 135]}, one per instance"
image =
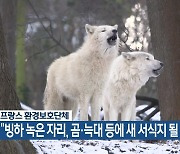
{"type": "Point", "coordinates": [78, 79]}
{"type": "Point", "coordinates": [129, 72]}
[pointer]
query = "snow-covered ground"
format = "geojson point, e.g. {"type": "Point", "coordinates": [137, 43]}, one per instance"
{"type": "Point", "coordinates": [105, 147]}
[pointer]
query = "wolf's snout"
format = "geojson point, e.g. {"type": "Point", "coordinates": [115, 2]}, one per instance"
{"type": "Point", "coordinates": [157, 71]}
{"type": "Point", "coordinates": [114, 31]}
{"type": "Point", "coordinates": [112, 40]}
{"type": "Point", "coordinates": [162, 65]}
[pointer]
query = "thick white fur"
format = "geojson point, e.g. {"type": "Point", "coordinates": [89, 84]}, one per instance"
{"type": "Point", "coordinates": [78, 79]}
{"type": "Point", "coordinates": [129, 72]}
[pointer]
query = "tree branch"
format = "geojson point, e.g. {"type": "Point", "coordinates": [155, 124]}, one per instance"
{"type": "Point", "coordinates": [46, 30]}
{"type": "Point", "coordinates": [42, 51]}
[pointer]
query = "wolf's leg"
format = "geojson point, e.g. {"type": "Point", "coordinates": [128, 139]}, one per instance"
{"type": "Point", "coordinates": [84, 103]}
{"type": "Point", "coordinates": [95, 107]}
{"type": "Point", "coordinates": [113, 113]}
{"type": "Point", "coordinates": [74, 110]}
{"type": "Point", "coordinates": [133, 110]}
{"type": "Point", "coordinates": [106, 109]}
{"type": "Point", "coordinates": [126, 113]}
{"type": "Point", "coordinates": [71, 104]}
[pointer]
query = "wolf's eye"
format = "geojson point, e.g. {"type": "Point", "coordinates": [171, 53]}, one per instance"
{"type": "Point", "coordinates": [103, 30]}
{"type": "Point", "coordinates": [147, 58]}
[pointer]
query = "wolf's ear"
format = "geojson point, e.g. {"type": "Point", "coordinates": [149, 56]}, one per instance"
{"type": "Point", "coordinates": [116, 26]}
{"type": "Point", "coordinates": [128, 55]}
{"type": "Point", "coordinates": [89, 29]}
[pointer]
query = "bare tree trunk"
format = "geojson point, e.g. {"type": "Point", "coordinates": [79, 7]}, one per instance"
{"type": "Point", "coordinates": [164, 20]}
{"type": "Point", "coordinates": [9, 100]}
{"type": "Point", "coordinates": [8, 97]}
{"type": "Point", "coordinates": [20, 50]}
{"type": "Point", "coordinates": [8, 12]}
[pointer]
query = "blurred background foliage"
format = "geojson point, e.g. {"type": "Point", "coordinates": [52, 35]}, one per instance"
{"type": "Point", "coordinates": [48, 29]}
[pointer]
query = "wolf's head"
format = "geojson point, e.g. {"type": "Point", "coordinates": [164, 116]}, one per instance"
{"type": "Point", "coordinates": [105, 37]}
{"type": "Point", "coordinates": [143, 63]}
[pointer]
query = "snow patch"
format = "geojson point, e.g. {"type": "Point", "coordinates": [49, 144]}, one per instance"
{"type": "Point", "coordinates": [105, 147]}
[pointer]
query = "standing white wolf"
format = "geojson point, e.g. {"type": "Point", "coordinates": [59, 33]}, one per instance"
{"type": "Point", "coordinates": [129, 72]}
{"type": "Point", "coordinates": [78, 79]}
